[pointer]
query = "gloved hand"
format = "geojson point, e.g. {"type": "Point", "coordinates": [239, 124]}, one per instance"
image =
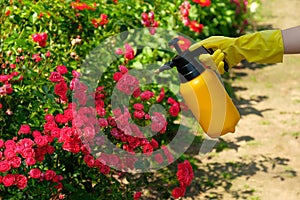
{"type": "Point", "coordinates": [261, 47]}
{"type": "Point", "coordinates": [214, 61]}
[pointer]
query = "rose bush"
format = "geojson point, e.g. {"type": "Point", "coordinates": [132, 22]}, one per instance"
{"type": "Point", "coordinates": [49, 131]}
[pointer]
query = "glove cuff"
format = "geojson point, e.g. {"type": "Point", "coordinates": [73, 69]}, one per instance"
{"type": "Point", "coordinates": [262, 47]}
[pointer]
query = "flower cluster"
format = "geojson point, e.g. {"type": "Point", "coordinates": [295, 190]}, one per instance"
{"type": "Point", "coordinates": [240, 7]}
{"type": "Point", "coordinates": [40, 38]}
{"type": "Point", "coordinates": [61, 87]}
{"type": "Point", "coordinates": [185, 176]}
{"type": "Point", "coordinates": [148, 21]}
{"type": "Point", "coordinates": [128, 52]}
{"type": "Point", "coordinates": [101, 21]}
{"type": "Point", "coordinates": [82, 6]}
{"type": "Point", "coordinates": [12, 153]}
{"type": "Point", "coordinates": [184, 14]}
{"type": "Point", "coordinates": [203, 2]}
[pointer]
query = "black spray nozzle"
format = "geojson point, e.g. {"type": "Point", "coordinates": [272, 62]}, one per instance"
{"type": "Point", "coordinates": [186, 62]}
{"type": "Point", "coordinates": [174, 43]}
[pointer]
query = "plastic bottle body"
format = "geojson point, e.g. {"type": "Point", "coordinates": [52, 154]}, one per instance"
{"type": "Point", "coordinates": [211, 105]}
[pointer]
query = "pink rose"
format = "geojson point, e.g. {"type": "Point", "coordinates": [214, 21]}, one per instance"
{"type": "Point", "coordinates": [137, 195]}
{"type": "Point", "coordinates": [159, 158]}
{"type": "Point", "coordinates": [30, 161]}
{"type": "Point", "coordinates": [21, 181]}
{"type": "Point", "coordinates": [8, 180]}
{"type": "Point", "coordinates": [10, 144]}
{"type": "Point", "coordinates": [56, 77]}
{"type": "Point", "coordinates": [62, 69]}
{"type": "Point", "coordinates": [146, 95]}
{"type": "Point", "coordinates": [15, 162]}
{"type": "Point", "coordinates": [185, 173]}
{"type": "Point", "coordinates": [24, 129]}
{"type": "Point", "coordinates": [147, 149]}
{"type": "Point", "coordinates": [35, 173]}
{"type": "Point", "coordinates": [41, 141]}
{"type": "Point", "coordinates": [4, 166]}
{"type": "Point", "coordinates": [178, 192]}
{"type": "Point", "coordinates": [49, 174]}
{"type": "Point", "coordinates": [89, 160]}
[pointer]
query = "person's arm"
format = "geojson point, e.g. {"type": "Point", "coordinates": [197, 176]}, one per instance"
{"type": "Point", "coordinates": [291, 40]}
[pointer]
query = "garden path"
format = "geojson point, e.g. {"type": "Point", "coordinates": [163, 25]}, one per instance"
{"type": "Point", "coordinates": [261, 161]}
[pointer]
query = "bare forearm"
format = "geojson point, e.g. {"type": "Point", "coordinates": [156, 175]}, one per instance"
{"type": "Point", "coordinates": [291, 40]}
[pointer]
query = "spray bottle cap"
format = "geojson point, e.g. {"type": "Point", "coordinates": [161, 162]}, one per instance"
{"type": "Point", "coordinates": [188, 66]}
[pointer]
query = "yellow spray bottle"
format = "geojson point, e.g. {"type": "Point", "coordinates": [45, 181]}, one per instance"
{"type": "Point", "coordinates": [203, 92]}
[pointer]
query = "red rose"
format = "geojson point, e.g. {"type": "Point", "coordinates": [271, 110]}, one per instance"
{"type": "Point", "coordinates": [44, 36]}
{"type": "Point", "coordinates": [104, 169]}
{"type": "Point", "coordinates": [41, 141]}
{"type": "Point", "coordinates": [49, 174]}
{"type": "Point", "coordinates": [129, 52]}
{"type": "Point", "coordinates": [21, 181]}
{"type": "Point", "coordinates": [27, 152]}
{"type": "Point", "coordinates": [136, 93]}
{"type": "Point", "coordinates": [8, 180]}
{"type": "Point", "coordinates": [10, 144]}
{"type": "Point", "coordinates": [15, 162]}
{"type": "Point", "coordinates": [61, 118]}
{"type": "Point", "coordinates": [50, 149]}
{"type": "Point", "coordinates": [123, 69]}
{"type": "Point", "coordinates": [133, 142]}
{"type": "Point", "coordinates": [30, 161]}
{"type": "Point", "coordinates": [42, 43]}
{"type": "Point", "coordinates": [49, 117]}
{"type": "Point", "coordinates": [161, 95]}
{"type": "Point", "coordinates": [137, 195]}
{"type": "Point", "coordinates": [62, 69]}
{"type": "Point", "coordinates": [178, 192]}
{"type": "Point", "coordinates": [203, 2]}
{"type": "Point", "coordinates": [103, 122]}
{"type": "Point", "coordinates": [4, 166]}
{"type": "Point", "coordinates": [61, 88]}
{"type": "Point", "coordinates": [35, 173]}
{"type": "Point", "coordinates": [24, 129]}
{"type": "Point", "coordinates": [138, 114]}
{"type": "Point", "coordinates": [75, 74]}
{"type": "Point", "coordinates": [147, 149]}
{"type": "Point", "coordinates": [185, 173]}
{"type": "Point", "coordinates": [168, 154]}
{"type": "Point", "coordinates": [117, 76]}
{"type": "Point", "coordinates": [159, 158]}
{"type": "Point", "coordinates": [128, 84]}
{"type": "Point", "coordinates": [89, 160]}
{"type": "Point", "coordinates": [26, 143]}
{"type": "Point", "coordinates": [154, 143]}
{"type": "Point", "coordinates": [195, 26]}
{"type": "Point", "coordinates": [36, 134]}
{"type": "Point", "coordinates": [174, 110]}
{"type": "Point", "coordinates": [56, 77]}
{"type": "Point", "coordinates": [158, 122]}
{"type": "Point", "coordinates": [9, 153]}
{"type": "Point", "coordinates": [146, 95]}
{"type": "Point", "coordinates": [36, 37]}
{"type": "Point", "coordinates": [138, 106]}
{"type": "Point", "coordinates": [119, 51]}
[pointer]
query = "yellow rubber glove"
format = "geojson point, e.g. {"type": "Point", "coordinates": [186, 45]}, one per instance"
{"type": "Point", "coordinates": [214, 61]}
{"type": "Point", "coordinates": [261, 47]}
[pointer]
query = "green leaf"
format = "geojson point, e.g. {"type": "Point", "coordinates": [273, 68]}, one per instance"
{"type": "Point", "coordinates": [33, 18]}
